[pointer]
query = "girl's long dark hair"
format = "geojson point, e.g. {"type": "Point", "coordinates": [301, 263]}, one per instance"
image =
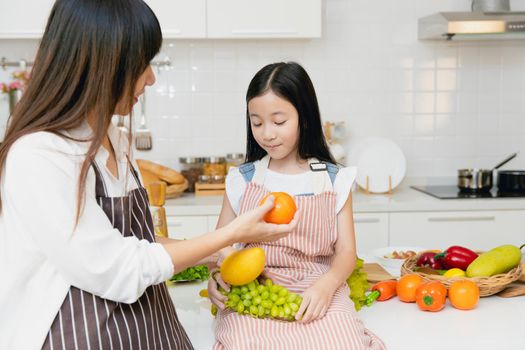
{"type": "Point", "coordinates": [291, 82]}
{"type": "Point", "coordinates": [90, 58]}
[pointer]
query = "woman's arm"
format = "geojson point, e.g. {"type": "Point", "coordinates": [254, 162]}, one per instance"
{"type": "Point", "coordinates": [248, 227]}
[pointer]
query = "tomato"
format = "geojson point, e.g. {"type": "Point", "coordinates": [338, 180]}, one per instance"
{"type": "Point", "coordinates": [406, 287]}
{"type": "Point", "coordinates": [463, 294]}
{"type": "Point", "coordinates": [431, 296]}
{"type": "Point", "coordinates": [283, 210]}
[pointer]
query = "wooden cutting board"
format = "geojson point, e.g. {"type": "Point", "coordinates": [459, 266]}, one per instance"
{"type": "Point", "coordinates": [376, 272]}
{"type": "Point", "coordinates": [514, 289]}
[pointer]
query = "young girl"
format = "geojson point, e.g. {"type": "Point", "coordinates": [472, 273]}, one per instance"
{"type": "Point", "coordinates": [81, 268]}
{"type": "Point", "coordinates": [287, 152]}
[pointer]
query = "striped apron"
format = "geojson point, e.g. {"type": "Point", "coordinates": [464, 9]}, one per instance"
{"type": "Point", "coordinates": [86, 321]}
{"type": "Point", "coordinates": [296, 262]}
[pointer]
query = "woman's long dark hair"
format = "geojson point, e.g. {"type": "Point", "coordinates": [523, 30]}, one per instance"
{"type": "Point", "coordinates": [90, 58]}
{"type": "Point", "coordinates": [291, 82]}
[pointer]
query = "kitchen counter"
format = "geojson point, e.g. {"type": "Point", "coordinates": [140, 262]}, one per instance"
{"type": "Point", "coordinates": [403, 199]}
{"type": "Point", "coordinates": [496, 323]}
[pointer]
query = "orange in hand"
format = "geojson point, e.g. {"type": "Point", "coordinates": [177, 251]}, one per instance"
{"type": "Point", "coordinates": [463, 295]}
{"type": "Point", "coordinates": [283, 210]}
{"type": "Point", "coordinates": [407, 286]}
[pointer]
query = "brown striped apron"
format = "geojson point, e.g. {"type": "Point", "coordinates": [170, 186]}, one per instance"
{"type": "Point", "coordinates": [86, 321]}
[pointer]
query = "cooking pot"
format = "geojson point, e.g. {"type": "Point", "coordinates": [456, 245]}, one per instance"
{"type": "Point", "coordinates": [478, 180]}
{"type": "Point", "coordinates": [511, 181]}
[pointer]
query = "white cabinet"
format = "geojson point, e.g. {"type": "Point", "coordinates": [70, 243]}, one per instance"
{"type": "Point", "coordinates": [212, 222]}
{"type": "Point", "coordinates": [181, 227]}
{"type": "Point", "coordinates": [24, 19]}
{"type": "Point", "coordinates": [479, 230]}
{"type": "Point", "coordinates": [189, 226]}
{"type": "Point", "coordinates": [264, 19]}
{"type": "Point", "coordinates": [371, 231]}
{"type": "Point", "coordinates": [191, 19]}
{"type": "Point", "coordinates": [180, 18]}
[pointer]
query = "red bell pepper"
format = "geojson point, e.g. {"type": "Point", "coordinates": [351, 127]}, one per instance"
{"type": "Point", "coordinates": [428, 259]}
{"type": "Point", "coordinates": [456, 257]}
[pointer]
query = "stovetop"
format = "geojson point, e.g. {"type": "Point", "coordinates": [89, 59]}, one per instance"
{"type": "Point", "coordinates": [453, 192]}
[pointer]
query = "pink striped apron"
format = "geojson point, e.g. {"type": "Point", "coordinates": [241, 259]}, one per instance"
{"type": "Point", "coordinates": [296, 262]}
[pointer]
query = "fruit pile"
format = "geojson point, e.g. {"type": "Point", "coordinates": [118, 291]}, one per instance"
{"type": "Point", "coordinates": [457, 261]}
{"type": "Point", "coordinates": [263, 300]}
{"type": "Point", "coordinates": [429, 296]}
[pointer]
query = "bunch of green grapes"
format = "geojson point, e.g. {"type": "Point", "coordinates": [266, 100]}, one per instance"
{"type": "Point", "coordinates": [263, 300]}
{"type": "Point", "coordinates": [358, 284]}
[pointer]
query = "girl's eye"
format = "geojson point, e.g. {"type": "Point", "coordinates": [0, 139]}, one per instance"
{"type": "Point", "coordinates": [256, 124]}
{"type": "Point", "coordinates": [280, 123]}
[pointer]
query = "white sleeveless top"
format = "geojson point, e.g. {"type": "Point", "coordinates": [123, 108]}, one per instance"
{"type": "Point", "coordinates": [293, 184]}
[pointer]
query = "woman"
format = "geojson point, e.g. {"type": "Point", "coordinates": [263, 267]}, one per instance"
{"type": "Point", "coordinates": [84, 270]}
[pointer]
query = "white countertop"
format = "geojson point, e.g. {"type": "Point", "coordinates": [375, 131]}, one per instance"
{"type": "Point", "coordinates": [402, 199]}
{"type": "Point", "coordinates": [496, 323]}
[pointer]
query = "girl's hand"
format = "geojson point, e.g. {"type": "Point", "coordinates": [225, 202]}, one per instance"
{"type": "Point", "coordinates": [213, 289]}
{"type": "Point", "coordinates": [216, 280]}
{"type": "Point", "coordinates": [316, 301]}
{"type": "Point", "coordinates": [250, 227]}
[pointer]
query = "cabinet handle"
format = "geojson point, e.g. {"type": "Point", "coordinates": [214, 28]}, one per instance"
{"type": "Point", "coordinates": [462, 218]}
{"type": "Point", "coordinates": [172, 222]}
{"type": "Point", "coordinates": [173, 32]}
{"type": "Point", "coordinates": [367, 221]}
{"type": "Point", "coordinates": [261, 31]}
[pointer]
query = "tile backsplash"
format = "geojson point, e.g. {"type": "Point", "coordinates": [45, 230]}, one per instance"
{"type": "Point", "coordinates": [448, 105]}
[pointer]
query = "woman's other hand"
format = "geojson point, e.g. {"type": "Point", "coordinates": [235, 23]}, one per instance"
{"type": "Point", "coordinates": [316, 301]}
{"type": "Point", "coordinates": [250, 227]}
{"type": "Point", "coordinates": [213, 289]}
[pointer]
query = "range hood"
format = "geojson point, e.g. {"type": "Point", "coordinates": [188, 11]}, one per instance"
{"type": "Point", "coordinates": [472, 26]}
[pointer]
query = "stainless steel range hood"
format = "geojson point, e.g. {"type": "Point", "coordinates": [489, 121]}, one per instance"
{"type": "Point", "coordinates": [472, 26]}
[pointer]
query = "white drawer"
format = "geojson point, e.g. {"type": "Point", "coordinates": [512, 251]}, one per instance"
{"type": "Point", "coordinates": [371, 231]}
{"type": "Point", "coordinates": [181, 227]}
{"type": "Point", "coordinates": [480, 230]}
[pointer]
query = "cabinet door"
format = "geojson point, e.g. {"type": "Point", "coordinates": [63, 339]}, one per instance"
{"type": "Point", "coordinates": [479, 230]}
{"type": "Point", "coordinates": [212, 222]}
{"type": "Point", "coordinates": [264, 19]}
{"type": "Point", "coordinates": [180, 18]}
{"type": "Point", "coordinates": [24, 19]}
{"type": "Point", "coordinates": [181, 227]}
{"type": "Point", "coordinates": [371, 231]}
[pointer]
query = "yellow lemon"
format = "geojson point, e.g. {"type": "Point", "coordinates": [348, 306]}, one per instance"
{"type": "Point", "coordinates": [455, 272]}
{"type": "Point", "coordinates": [203, 293]}
{"type": "Point", "coordinates": [243, 266]}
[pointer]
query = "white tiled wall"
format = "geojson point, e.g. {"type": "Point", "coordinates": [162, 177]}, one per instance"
{"type": "Point", "coordinates": [447, 104]}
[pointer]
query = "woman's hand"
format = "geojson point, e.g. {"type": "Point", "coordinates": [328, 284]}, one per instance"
{"type": "Point", "coordinates": [250, 227]}
{"type": "Point", "coordinates": [316, 301]}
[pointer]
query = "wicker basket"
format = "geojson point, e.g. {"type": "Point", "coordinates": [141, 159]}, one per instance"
{"type": "Point", "coordinates": [487, 285]}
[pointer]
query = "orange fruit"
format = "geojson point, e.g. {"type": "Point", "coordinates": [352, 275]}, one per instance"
{"type": "Point", "coordinates": [283, 210]}
{"type": "Point", "coordinates": [463, 294]}
{"type": "Point", "coordinates": [243, 266]}
{"type": "Point", "coordinates": [407, 286]}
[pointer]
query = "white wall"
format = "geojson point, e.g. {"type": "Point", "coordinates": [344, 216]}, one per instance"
{"type": "Point", "coordinates": [447, 104]}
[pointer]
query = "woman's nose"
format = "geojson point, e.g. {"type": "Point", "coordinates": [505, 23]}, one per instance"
{"type": "Point", "coordinates": [150, 78]}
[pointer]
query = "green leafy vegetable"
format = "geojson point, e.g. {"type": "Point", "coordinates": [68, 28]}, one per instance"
{"type": "Point", "coordinates": [358, 285]}
{"type": "Point", "coordinates": [195, 273]}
